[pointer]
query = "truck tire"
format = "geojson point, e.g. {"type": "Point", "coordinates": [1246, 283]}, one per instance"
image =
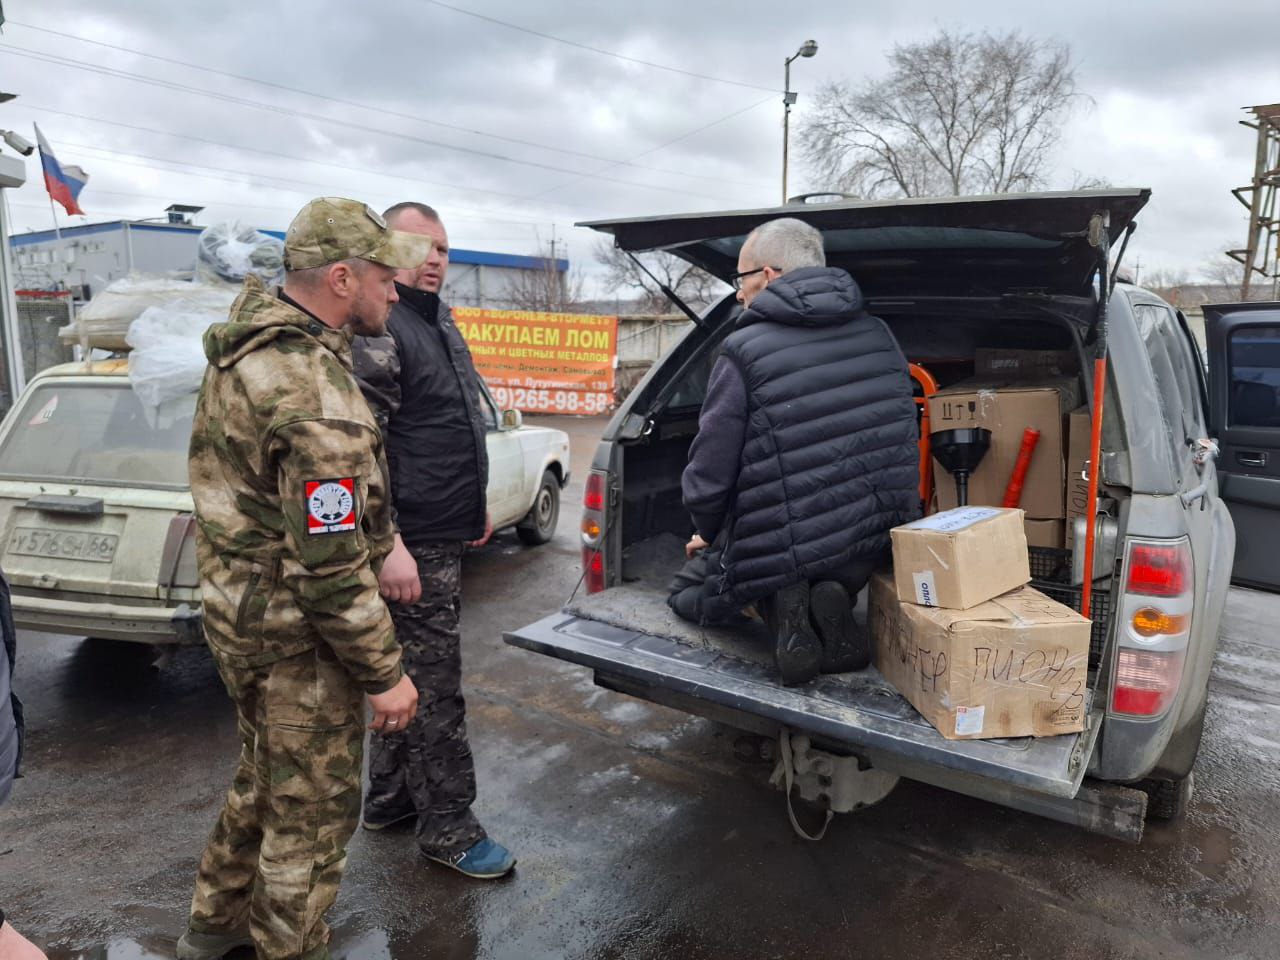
{"type": "Point", "coordinates": [1169, 799]}
{"type": "Point", "coordinates": [539, 524]}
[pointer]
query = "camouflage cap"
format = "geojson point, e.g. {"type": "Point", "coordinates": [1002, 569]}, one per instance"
{"type": "Point", "coordinates": [330, 229]}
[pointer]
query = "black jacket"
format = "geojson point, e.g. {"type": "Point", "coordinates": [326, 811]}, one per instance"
{"type": "Point", "coordinates": [423, 388]}
{"type": "Point", "coordinates": [10, 708]}
{"type": "Point", "coordinates": [806, 451]}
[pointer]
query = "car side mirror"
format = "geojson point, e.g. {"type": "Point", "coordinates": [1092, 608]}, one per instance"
{"type": "Point", "coordinates": [512, 420]}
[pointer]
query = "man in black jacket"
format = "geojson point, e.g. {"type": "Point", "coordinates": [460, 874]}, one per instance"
{"type": "Point", "coordinates": [423, 388]}
{"type": "Point", "coordinates": [805, 457]}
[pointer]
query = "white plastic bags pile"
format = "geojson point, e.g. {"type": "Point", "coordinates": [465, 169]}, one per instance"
{"type": "Point", "coordinates": [228, 252]}
{"type": "Point", "coordinates": [167, 360]}
{"type": "Point", "coordinates": [104, 321]}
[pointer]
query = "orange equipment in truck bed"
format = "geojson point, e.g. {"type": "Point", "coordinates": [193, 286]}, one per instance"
{"type": "Point", "coordinates": [928, 387]}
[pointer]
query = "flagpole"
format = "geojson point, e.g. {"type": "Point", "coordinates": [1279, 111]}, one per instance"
{"type": "Point", "coordinates": [59, 253]}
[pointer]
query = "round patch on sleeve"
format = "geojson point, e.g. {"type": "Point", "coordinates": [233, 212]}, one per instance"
{"type": "Point", "coordinates": [331, 505]}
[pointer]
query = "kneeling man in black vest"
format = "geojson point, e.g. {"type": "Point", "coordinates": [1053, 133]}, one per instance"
{"type": "Point", "coordinates": [805, 457]}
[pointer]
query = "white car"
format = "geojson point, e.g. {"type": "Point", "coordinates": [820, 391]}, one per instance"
{"type": "Point", "coordinates": [96, 511]}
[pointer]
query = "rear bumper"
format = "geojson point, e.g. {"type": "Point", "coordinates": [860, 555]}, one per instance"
{"type": "Point", "coordinates": [112, 621]}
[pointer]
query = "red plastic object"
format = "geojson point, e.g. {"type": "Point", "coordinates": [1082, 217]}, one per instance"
{"type": "Point", "coordinates": [1013, 492]}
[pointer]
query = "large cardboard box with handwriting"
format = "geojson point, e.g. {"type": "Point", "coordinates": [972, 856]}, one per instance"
{"type": "Point", "coordinates": [1015, 666]}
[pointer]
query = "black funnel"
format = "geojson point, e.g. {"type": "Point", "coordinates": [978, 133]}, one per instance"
{"type": "Point", "coordinates": [960, 451]}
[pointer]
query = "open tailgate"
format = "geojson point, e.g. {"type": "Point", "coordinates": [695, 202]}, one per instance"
{"type": "Point", "coordinates": [858, 710]}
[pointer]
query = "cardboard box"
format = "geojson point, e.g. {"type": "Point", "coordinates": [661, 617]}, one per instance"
{"type": "Point", "coordinates": [960, 558]}
{"type": "Point", "coordinates": [1002, 364]}
{"type": "Point", "coordinates": [1015, 666]}
{"type": "Point", "coordinates": [1079, 435]}
{"type": "Point", "coordinates": [1045, 533]}
{"type": "Point", "coordinates": [1007, 409]}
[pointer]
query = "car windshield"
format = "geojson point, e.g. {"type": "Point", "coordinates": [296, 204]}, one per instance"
{"type": "Point", "coordinates": [97, 433]}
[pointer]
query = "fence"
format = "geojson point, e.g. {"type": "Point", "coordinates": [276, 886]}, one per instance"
{"type": "Point", "coordinates": [641, 341]}
{"type": "Point", "coordinates": [40, 315]}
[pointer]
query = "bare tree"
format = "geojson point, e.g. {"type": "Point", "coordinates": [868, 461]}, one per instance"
{"type": "Point", "coordinates": [1223, 275]}
{"type": "Point", "coordinates": [958, 114]}
{"type": "Point", "coordinates": [622, 277]}
{"type": "Point", "coordinates": [546, 288]}
{"type": "Point", "coordinates": [1216, 280]}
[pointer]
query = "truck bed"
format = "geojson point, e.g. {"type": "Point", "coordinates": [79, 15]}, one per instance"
{"type": "Point", "coordinates": [635, 643]}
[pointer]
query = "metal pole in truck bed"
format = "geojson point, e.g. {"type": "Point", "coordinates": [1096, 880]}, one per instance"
{"type": "Point", "coordinates": [1100, 238]}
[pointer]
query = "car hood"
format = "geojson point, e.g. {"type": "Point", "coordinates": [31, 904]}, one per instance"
{"type": "Point", "coordinates": [948, 246]}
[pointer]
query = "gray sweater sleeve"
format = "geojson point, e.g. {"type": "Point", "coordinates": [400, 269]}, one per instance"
{"type": "Point", "coordinates": [711, 478]}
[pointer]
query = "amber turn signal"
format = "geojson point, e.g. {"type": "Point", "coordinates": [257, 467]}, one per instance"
{"type": "Point", "coordinates": [1150, 622]}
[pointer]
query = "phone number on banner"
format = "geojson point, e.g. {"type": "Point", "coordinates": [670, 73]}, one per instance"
{"type": "Point", "coordinates": [539, 400]}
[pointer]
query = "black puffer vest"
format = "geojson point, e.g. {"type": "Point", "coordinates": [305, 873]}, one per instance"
{"type": "Point", "coordinates": [830, 461]}
{"type": "Point", "coordinates": [436, 440]}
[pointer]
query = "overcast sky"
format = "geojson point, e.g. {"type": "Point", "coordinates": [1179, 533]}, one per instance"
{"type": "Point", "coordinates": [513, 136]}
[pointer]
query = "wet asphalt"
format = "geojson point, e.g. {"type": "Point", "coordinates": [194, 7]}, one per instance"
{"type": "Point", "coordinates": [639, 832]}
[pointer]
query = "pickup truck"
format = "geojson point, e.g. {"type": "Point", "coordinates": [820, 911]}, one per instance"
{"type": "Point", "coordinates": [950, 276]}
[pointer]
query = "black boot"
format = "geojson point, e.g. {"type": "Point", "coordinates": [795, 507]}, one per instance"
{"type": "Point", "coordinates": [844, 644]}
{"type": "Point", "coordinates": [797, 648]}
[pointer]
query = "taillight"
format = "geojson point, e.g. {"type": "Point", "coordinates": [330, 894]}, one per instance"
{"type": "Point", "coordinates": [593, 524]}
{"type": "Point", "coordinates": [1158, 570]}
{"type": "Point", "coordinates": [1146, 681]}
{"type": "Point", "coordinates": [178, 558]}
{"type": "Point", "coordinates": [593, 569]}
{"type": "Point", "coordinates": [1150, 622]}
{"type": "Point", "coordinates": [1154, 626]}
{"type": "Point", "coordinates": [593, 496]}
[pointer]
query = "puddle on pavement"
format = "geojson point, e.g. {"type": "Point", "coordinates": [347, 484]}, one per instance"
{"type": "Point", "coordinates": [370, 945]}
{"type": "Point", "coordinates": [1217, 852]}
{"type": "Point", "coordinates": [151, 949]}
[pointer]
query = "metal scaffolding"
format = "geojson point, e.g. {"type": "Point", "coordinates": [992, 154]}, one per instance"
{"type": "Point", "coordinates": [1261, 254]}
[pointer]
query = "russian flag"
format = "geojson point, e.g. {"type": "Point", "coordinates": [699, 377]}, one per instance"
{"type": "Point", "coordinates": [63, 183]}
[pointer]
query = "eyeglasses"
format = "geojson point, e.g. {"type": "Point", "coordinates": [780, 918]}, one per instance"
{"type": "Point", "coordinates": [735, 279]}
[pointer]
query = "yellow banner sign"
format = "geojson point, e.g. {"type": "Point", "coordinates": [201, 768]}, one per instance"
{"type": "Point", "coordinates": [543, 362]}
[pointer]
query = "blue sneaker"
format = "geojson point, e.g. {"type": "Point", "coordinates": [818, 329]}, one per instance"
{"type": "Point", "coordinates": [485, 860]}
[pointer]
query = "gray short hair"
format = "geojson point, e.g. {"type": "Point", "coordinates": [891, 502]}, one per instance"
{"type": "Point", "coordinates": [393, 212]}
{"type": "Point", "coordinates": [785, 244]}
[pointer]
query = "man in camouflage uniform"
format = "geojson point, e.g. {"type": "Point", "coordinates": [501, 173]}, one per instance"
{"type": "Point", "coordinates": [423, 389]}
{"type": "Point", "coordinates": [290, 489]}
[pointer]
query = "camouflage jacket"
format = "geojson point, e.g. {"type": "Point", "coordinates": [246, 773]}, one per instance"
{"type": "Point", "coordinates": [291, 494]}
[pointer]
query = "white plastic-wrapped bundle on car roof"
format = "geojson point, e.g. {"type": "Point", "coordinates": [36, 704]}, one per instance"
{"type": "Point", "coordinates": [166, 359]}
{"type": "Point", "coordinates": [104, 321]}
{"type": "Point", "coordinates": [228, 252]}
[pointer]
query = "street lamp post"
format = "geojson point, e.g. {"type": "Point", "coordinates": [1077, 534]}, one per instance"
{"type": "Point", "coordinates": [807, 49]}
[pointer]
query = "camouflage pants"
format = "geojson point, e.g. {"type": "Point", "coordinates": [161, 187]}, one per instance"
{"type": "Point", "coordinates": [428, 768]}
{"type": "Point", "coordinates": [277, 852]}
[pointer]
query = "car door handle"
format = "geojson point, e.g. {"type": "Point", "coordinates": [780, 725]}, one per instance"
{"type": "Point", "coordinates": [1251, 458]}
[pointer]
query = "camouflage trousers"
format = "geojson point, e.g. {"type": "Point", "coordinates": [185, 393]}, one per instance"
{"type": "Point", "coordinates": [276, 855]}
{"type": "Point", "coordinates": [428, 769]}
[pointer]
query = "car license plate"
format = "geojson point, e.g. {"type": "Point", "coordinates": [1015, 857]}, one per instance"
{"type": "Point", "coordinates": [64, 544]}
